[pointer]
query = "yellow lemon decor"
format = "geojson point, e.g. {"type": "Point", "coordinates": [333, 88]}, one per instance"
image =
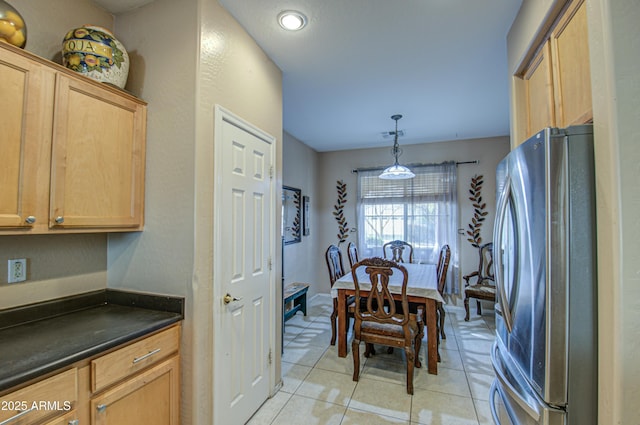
{"type": "Point", "coordinates": [96, 53]}
{"type": "Point", "coordinates": [12, 27]}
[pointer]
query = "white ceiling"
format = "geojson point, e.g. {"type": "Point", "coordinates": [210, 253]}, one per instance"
{"type": "Point", "coordinates": [440, 63]}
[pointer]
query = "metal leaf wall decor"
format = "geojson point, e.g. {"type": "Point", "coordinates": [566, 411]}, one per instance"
{"type": "Point", "coordinates": [479, 212]}
{"type": "Point", "coordinates": [338, 212]}
{"type": "Point", "coordinates": [295, 226]}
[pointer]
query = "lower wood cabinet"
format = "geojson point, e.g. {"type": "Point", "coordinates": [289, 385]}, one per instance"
{"type": "Point", "coordinates": [52, 398]}
{"type": "Point", "coordinates": [70, 418]}
{"type": "Point", "coordinates": [136, 384]}
{"type": "Point", "coordinates": [148, 398]}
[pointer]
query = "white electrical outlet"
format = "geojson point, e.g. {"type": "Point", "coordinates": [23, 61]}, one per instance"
{"type": "Point", "coordinates": [17, 270]}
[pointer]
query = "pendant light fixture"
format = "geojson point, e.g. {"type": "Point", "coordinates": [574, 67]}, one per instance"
{"type": "Point", "coordinates": [396, 171]}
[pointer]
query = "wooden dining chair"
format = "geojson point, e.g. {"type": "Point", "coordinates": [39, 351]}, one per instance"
{"type": "Point", "coordinates": [352, 251]}
{"type": "Point", "coordinates": [484, 287]}
{"type": "Point", "coordinates": [396, 250]}
{"type": "Point", "coordinates": [333, 256]}
{"type": "Point", "coordinates": [441, 273]}
{"type": "Point", "coordinates": [379, 321]}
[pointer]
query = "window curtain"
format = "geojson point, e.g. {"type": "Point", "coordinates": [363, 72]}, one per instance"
{"type": "Point", "coordinates": [422, 211]}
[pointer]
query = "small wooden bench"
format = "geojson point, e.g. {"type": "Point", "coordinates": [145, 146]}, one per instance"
{"type": "Point", "coordinates": [296, 295]}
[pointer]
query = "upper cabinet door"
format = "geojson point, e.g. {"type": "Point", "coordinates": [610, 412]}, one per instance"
{"type": "Point", "coordinates": [553, 88]}
{"type": "Point", "coordinates": [572, 76]}
{"type": "Point", "coordinates": [26, 99]}
{"type": "Point", "coordinates": [98, 156]}
{"type": "Point", "coordinates": [539, 92]}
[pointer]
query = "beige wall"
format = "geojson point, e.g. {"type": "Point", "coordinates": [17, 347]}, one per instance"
{"type": "Point", "coordinates": [58, 265]}
{"type": "Point", "coordinates": [337, 165]}
{"type": "Point", "coordinates": [206, 59]}
{"type": "Point", "coordinates": [613, 35]}
{"type": "Point", "coordinates": [300, 170]}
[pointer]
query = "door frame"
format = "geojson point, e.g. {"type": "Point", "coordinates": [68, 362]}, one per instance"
{"type": "Point", "coordinates": [224, 115]}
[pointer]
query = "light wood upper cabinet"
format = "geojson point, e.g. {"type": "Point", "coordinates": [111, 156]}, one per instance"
{"type": "Point", "coordinates": [26, 99]}
{"type": "Point", "coordinates": [553, 88]}
{"type": "Point", "coordinates": [538, 81]}
{"type": "Point", "coordinates": [74, 152]}
{"type": "Point", "coordinates": [97, 164]}
{"type": "Point", "coordinates": [572, 75]}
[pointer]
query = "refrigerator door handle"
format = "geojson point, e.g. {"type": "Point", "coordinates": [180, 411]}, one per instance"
{"type": "Point", "coordinates": [508, 387]}
{"type": "Point", "coordinates": [499, 275]}
{"type": "Point", "coordinates": [492, 402]}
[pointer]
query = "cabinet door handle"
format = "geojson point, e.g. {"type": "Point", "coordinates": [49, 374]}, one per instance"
{"type": "Point", "coordinates": [59, 219]}
{"type": "Point", "coordinates": [100, 408]}
{"type": "Point", "coordinates": [30, 220]}
{"type": "Point", "coordinates": [74, 422]}
{"type": "Point", "coordinates": [141, 358]}
{"type": "Point", "coordinates": [15, 417]}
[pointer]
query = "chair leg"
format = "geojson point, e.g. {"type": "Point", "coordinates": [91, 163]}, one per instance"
{"type": "Point", "coordinates": [418, 344]}
{"type": "Point", "coordinates": [441, 315]}
{"type": "Point", "coordinates": [409, 353]}
{"type": "Point", "coordinates": [355, 351]}
{"type": "Point", "coordinates": [479, 308]}
{"type": "Point", "coordinates": [334, 316]}
{"type": "Point", "coordinates": [369, 350]}
{"type": "Point", "coordinates": [466, 309]}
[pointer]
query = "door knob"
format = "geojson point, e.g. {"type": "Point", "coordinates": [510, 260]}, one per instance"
{"type": "Point", "coordinates": [228, 298]}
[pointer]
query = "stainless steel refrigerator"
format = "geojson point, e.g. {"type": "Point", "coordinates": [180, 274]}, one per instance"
{"type": "Point", "coordinates": [545, 354]}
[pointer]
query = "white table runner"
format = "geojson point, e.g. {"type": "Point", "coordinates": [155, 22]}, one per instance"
{"type": "Point", "coordinates": [422, 281]}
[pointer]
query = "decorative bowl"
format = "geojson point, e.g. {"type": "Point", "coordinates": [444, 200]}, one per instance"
{"type": "Point", "coordinates": [95, 52]}
{"type": "Point", "coordinates": [12, 27]}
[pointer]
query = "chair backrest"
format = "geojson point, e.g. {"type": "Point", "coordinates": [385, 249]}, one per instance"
{"type": "Point", "coordinates": [380, 304]}
{"type": "Point", "coordinates": [352, 251]}
{"type": "Point", "coordinates": [397, 249]}
{"type": "Point", "coordinates": [334, 263]}
{"type": "Point", "coordinates": [485, 268]}
{"type": "Point", "coordinates": [443, 267]}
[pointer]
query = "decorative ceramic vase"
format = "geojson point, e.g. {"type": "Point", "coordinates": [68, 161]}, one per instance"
{"type": "Point", "coordinates": [12, 27]}
{"type": "Point", "coordinates": [96, 53]}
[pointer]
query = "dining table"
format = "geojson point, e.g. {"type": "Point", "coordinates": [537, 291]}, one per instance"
{"type": "Point", "coordinates": [421, 289]}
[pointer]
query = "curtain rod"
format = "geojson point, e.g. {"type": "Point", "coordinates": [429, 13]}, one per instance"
{"type": "Point", "coordinates": [356, 170]}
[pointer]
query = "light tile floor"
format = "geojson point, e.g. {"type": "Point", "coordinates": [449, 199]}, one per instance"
{"type": "Point", "coordinates": [318, 387]}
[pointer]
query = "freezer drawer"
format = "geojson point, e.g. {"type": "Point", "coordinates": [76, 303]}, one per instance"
{"type": "Point", "coordinates": [513, 401]}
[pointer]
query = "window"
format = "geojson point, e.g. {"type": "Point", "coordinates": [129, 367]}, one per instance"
{"type": "Point", "coordinates": [421, 211]}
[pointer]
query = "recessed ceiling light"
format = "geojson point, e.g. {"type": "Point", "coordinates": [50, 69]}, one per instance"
{"type": "Point", "coordinates": [292, 20]}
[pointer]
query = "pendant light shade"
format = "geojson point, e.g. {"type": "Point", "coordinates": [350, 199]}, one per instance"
{"type": "Point", "coordinates": [396, 171]}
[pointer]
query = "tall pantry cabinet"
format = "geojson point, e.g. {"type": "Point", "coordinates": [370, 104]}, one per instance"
{"type": "Point", "coordinates": [73, 150]}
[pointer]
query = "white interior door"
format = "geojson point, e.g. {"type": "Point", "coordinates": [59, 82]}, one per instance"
{"type": "Point", "coordinates": [243, 280]}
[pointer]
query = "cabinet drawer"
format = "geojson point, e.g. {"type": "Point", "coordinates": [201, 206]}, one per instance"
{"type": "Point", "coordinates": [113, 367]}
{"type": "Point", "coordinates": [50, 397]}
{"type": "Point", "coordinates": [70, 418]}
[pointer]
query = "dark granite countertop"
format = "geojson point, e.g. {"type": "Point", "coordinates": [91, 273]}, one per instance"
{"type": "Point", "coordinates": [41, 338]}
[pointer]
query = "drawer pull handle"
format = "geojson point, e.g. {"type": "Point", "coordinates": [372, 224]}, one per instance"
{"type": "Point", "coordinates": [14, 417]}
{"type": "Point", "coordinates": [101, 408]}
{"type": "Point", "coordinates": [141, 358]}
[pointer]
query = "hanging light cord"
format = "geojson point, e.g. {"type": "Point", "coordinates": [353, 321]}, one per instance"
{"type": "Point", "coordinates": [396, 151]}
